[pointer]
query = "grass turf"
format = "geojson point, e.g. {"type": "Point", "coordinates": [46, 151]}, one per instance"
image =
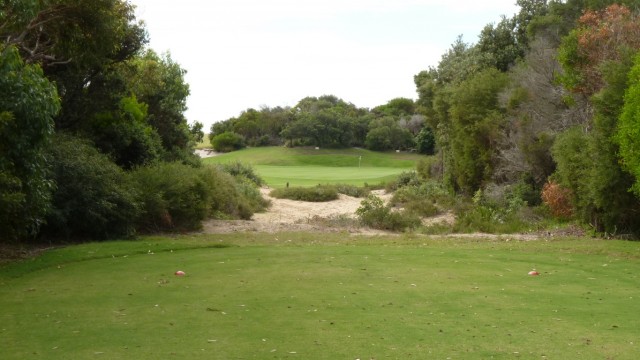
{"type": "Point", "coordinates": [323, 296]}
{"type": "Point", "coordinates": [309, 167]}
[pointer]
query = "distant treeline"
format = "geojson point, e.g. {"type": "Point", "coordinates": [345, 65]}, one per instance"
{"type": "Point", "coordinates": [330, 122]}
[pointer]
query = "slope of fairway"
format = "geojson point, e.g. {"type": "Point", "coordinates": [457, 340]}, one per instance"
{"type": "Point", "coordinates": [307, 166]}
{"type": "Point", "coordinates": [324, 296]}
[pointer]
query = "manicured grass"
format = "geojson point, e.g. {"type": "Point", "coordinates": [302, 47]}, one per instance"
{"type": "Point", "coordinates": [309, 167]}
{"type": "Point", "coordinates": [279, 176]}
{"type": "Point", "coordinates": [324, 296]}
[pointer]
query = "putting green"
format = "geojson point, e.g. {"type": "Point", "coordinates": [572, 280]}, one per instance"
{"type": "Point", "coordinates": [308, 167]}
{"type": "Point", "coordinates": [279, 176]}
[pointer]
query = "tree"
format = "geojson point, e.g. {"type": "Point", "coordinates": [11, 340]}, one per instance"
{"type": "Point", "coordinates": [124, 134]}
{"type": "Point", "coordinates": [426, 141]}
{"type": "Point", "coordinates": [536, 113]}
{"type": "Point", "coordinates": [227, 142]}
{"type": "Point", "coordinates": [628, 131]}
{"type": "Point", "coordinates": [500, 44]}
{"type": "Point", "coordinates": [598, 57]}
{"type": "Point", "coordinates": [601, 36]}
{"type": "Point", "coordinates": [75, 42]}
{"type": "Point", "coordinates": [397, 107]}
{"type": "Point", "coordinates": [78, 34]}
{"type": "Point", "coordinates": [326, 121]}
{"type": "Point", "coordinates": [475, 128]}
{"type": "Point", "coordinates": [159, 82]}
{"type": "Point", "coordinates": [386, 134]}
{"type": "Point", "coordinates": [28, 103]}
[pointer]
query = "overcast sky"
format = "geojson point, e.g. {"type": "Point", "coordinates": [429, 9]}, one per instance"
{"type": "Point", "coordinates": [251, 53]}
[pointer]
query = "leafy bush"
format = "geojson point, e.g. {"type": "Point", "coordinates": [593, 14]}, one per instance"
{"type": "Point", "coordinates": [494, 215]}
{"type": "Point", "coordinates": [425, 199]}
{"type": "Point", "coordinates": [373, 213]}
{"type": "Point", "coordinates": [317, 193]}
{"type": "Point", "coordinates": [173, 196]}
{"type": "Point", "coordinates": [428, 168]}
{"type": "Point", "coordinates": [93, 197]}
{"type": "Point", "coordinates": [227, 142]}
{"type": "Point", "coordinates": [352, 190]}
{"type": "Point", "coordinates": [426, 141]}
{"type": "Point", "coordinates": [406, 178]}
{"type": "Point", "coordinates": [238, 169]}
{"type": "Point", "coordinates": [179, 197]}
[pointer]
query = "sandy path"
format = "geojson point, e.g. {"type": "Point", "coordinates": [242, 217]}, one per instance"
{"type": "Point", "coordinates": [290, 215]}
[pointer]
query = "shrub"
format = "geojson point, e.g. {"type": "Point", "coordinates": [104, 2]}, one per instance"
{"type": "Point", "coordinates": [425, 199]}
{"type": "Point", "coordinates": [493, 213]}
{"type": "Point", "coordinates": [373, 213]}
{"type": "Point", "coordinates": [230, 198]}
{"type": "Point", "coordinates": [238, 169]}
{"type": "Point", "coordinates": [173, 196]}
{"type": "Point", "coordinates": [406, 178]}
{"type": "Point", "coordinates": [426, 141]}
{"type": "Point", "coordinates": [558, 199]}
{"type": "Point", "coordinates": [317, 193]}
{"type": "Point", "coordinates": [227, 142]}
{"type": "Point", "coordinates": [352, 190]}
{"type": "Point", "coordinates": [93, 197]}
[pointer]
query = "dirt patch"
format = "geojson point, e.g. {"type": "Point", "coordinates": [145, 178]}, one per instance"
{"type": "Point", "coordinates": [290, 215]}
{"type": "Point", "coordinates": [206, 153]}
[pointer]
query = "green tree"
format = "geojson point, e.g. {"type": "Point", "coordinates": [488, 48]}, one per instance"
{"type": "Point", "coordinates": [125, 135]}
{"type": "Point", "coordinates": [28, 103]}
{"type": "Point", "coordinates": [628, 132]}
{"type": "Point", "coordinates": [499, 44]}
{"type": "Point", "coordinates": [158, 81]}
{"type": "Point", "coordinates": [227, 141]}
{"type": "Point", "coordinates": [426, 141]}
{"type": "Point", "coordinates": [397, 107]}
{"type": "Point", "coordinates": [386, 134]}
{"type": "Point", "coordinates": [475, 129]}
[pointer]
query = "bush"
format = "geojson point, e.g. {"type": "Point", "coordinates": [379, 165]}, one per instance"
{"type": "Point", "coordinates": [227, 142]}
{"type": "Point", "coordinates": [232, 197]}
{"type": "Point", "coordinates": [238, 169]}
{"type": "Point", "coordinates": [178, 197]}
{"type": "Point", "coordinates": [373, 213]}
{"type": "Point", "coordinates": [494, 212]}
{"type": "Point", "coordinates": [352, 190]}
{"type": "Point", "coordinates": [93, 197]}
{"type": "Point", "coordinates": [173, 196]}
{"type": "Point", "coordinates": [425, 199]}
{"type": "Point", "coordinates": [406, 178]}
{"type": "Point", "coordinates": [317, 193]}
{"type": "Point", "coordinates": [558, 199]}
{"type": "Point", "coordinates": [426, 141]}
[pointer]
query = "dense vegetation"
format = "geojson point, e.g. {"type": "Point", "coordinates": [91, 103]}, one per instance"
{"type": "Point", "coordinates": [544, 106]}
{"type": "Point", "coordinates": [93, 138]}
{"type": "Point", "coordinates": [542, 109]}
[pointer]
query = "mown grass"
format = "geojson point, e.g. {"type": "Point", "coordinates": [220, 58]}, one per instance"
{"type": "Point", "coordinates": [309, 167]}
{"type": "Point", "coordinates": [324, 296]}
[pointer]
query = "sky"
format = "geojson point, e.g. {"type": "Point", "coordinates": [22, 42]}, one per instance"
{"type": "Point", "coordinates": [242, 54]}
